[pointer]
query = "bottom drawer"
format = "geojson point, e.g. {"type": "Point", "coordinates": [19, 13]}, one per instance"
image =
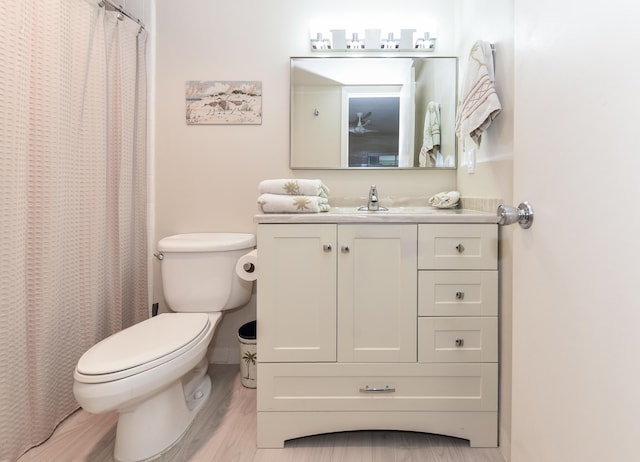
{"type": "Point", "coordinates": [379, 387]}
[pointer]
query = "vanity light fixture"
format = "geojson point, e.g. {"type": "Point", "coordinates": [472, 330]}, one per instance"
{"type": "Point", "coordinates": [320, 43]}
{"type": "Point", "coordinates": [426, 41]}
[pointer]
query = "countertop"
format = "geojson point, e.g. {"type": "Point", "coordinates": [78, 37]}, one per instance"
{"type": "Point", "coordinates": [407, 214]}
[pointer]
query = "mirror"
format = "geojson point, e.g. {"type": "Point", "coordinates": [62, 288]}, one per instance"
{"type": "Point", "coordinates": [373, 112]}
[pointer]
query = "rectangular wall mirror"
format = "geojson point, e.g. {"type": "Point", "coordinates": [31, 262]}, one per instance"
{"type": "Point", "coordinates": [373, 112]}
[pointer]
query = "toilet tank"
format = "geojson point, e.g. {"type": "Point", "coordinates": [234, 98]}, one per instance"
{"type": "Point", "coordinates": [198, 271]}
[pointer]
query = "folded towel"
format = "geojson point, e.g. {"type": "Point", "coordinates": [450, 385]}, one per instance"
{"type": "Point", "coordinates": [294, 187]}
{"type": "Point", "coordinates": [445, 200]}
{"type": "Point", "coordinates": [431, 136]}
{"type": "Point", "coordinates": [282, 203]}
{"type": "Point", "coordinates": [480, 103]}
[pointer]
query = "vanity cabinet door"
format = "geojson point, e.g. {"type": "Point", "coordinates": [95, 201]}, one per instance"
{"type": "Point", "coordinates": [296, 292]}
{"type": "Point", "coordinates": [377, 293]}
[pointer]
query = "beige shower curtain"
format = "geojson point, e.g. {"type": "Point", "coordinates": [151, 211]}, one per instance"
{"type": "Point", "coordinates": [73, 251]}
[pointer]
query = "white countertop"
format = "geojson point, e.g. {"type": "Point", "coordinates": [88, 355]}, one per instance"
{"type": "Point", "coordinates": [393, 215]}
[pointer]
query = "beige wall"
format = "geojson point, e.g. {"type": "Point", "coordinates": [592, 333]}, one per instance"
{"type": "Point", "coordinates": [206, 176]}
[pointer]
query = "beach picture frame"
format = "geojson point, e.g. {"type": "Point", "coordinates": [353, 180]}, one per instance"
{"type": "Point", "coordinates": [236, 102]}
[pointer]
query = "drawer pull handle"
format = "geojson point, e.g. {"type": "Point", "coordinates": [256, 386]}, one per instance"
{"type": "Point", "coordinates": [460, 248]}
{"type": "Point", "coordinates": [459, 341]}
{"type": "Point", "coordinates": [459, 295]}
{"type": "Point", "coordinates": [385, 389]}
{"type": "Point", "coordinates": [327, 247]}
{"type": "Point", "coordinates": [345, 249]}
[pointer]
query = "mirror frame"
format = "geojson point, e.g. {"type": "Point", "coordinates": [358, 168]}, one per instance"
{"type": "Point", "coordinates": [414, 128]}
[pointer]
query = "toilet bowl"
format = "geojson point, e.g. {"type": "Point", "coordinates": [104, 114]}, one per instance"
{"type": "Point", "coordinates": [154, 374]}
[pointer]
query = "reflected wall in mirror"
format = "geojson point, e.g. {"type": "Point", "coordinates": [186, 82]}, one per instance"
{"type": "Point", "coordinates": [373, 112]}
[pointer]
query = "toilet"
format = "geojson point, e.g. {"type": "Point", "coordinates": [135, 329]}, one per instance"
{"type": "Point", "coordinates": [154, 373]}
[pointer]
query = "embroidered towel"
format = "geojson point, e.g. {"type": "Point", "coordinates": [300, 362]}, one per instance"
{"type": "Point", "coordinates": [298, 187]}
{"type": "Point", "coordinates": [480, 103]}
{"type": "Point", "coordinates": [283, 203]}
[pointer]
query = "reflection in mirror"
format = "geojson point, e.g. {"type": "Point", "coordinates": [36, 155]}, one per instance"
{"type": "Point", "coordinates": [373, 112]}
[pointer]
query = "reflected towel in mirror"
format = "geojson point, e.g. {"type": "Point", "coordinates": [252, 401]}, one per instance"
{"type": "Point", "coordinates": [431, 136]}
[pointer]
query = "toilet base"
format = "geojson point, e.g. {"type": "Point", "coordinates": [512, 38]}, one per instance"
{"type": "Point", "coordinates": [155, 425]}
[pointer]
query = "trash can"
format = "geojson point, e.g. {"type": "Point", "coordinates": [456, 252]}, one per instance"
{"type": "Point", "coordinates": [248, 354]}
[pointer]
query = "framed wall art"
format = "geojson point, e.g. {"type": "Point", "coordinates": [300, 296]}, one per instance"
{"type": "Point", "coordinates": [223, 102]}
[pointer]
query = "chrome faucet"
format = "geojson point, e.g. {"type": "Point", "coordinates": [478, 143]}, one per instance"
{"type": "Point", "coordinates": [373, 204]}
{"type": "Point", "coordinates": [373, 199]}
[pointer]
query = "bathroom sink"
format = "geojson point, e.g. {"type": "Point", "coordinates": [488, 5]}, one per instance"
{"type": "Point", "coordinates": [407, 210]}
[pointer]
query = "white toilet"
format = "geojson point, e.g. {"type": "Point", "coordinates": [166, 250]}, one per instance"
{"type": "Point", "coordinates": [154, 373]}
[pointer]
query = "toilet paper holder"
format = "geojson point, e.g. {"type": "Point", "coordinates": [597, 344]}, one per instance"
{"type": "Point", "coordinates": [249, 267]}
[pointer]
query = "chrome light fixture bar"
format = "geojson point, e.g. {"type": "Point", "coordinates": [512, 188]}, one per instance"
{"type": "Point", "coordinates": [372, 40]}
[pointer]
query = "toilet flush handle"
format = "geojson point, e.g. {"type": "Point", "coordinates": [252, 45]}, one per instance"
{"type": "Point", "coordinates": [159, 255]}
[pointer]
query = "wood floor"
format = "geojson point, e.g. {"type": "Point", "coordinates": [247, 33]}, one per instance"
{"type": "Point", "coordinates": [225, 431]}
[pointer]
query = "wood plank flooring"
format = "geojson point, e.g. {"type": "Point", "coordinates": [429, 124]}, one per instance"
{"type": "Point", "coordinates": [225, 431]}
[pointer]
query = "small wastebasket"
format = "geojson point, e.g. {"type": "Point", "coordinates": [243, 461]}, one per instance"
{"type": "Point", "coordinates": [248, 354]}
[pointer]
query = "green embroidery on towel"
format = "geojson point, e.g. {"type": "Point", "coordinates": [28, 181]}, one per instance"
{"type": "Point", "coordinates": [291, 187]}
{"type": "Point", "coordinates": [301, 202]}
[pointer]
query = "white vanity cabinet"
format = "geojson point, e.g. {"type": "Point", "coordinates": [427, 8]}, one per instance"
{"type": "Point", "coordinates": [342, 293]}
{"type": "Point", "coordinates": [377, 326]}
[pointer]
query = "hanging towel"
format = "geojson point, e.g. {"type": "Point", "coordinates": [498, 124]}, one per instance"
{"type": "Point", "coordinates": [431, 136]}
{"type": "Point", "coordinates": [284, 203]}
{"type": "Point", "coordinates": [480, 103]}
{"type": "Point", "coordinates": [297, 187]}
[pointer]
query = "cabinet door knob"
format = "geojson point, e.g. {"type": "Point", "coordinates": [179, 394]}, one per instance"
{"type": "Point", "coordinates": [460, 248]}
{"type": "Point", "coordinates": [327, 247]}
{"type": "Point", "coordinates": [459, 341]}
{"type": "Point", "coordinates": [345, 249]}
{"type": "Point", "coordinates": [459, 295]}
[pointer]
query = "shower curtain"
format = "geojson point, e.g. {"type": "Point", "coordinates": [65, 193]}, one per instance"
{"type": "Point", "coordinates": [73, 197]}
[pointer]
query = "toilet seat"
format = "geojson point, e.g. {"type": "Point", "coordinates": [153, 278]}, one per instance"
{"type": "Point", "coordinates": [142, 346]}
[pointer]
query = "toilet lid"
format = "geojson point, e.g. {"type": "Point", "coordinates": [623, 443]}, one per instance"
{"type": "Point", "coordinates": [143, 343]}
{"type": "Point", "coordinates": [207, 242]}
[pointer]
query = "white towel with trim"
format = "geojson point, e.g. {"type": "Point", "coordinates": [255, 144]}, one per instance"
{"type": "Point", "coordinates": [445, 200]}
{"type": "Point", "coordinates": [480, 103]}
{"type": "Point", "coordinates": [283, 203]}
{"type": "Point", "coordinates": [294, 187]}
{"type": "Point", "coordinates": [431, 136]}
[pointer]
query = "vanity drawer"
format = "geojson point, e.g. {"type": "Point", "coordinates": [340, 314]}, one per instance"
{"type": "Point", "coordinates": [457, 293]}
{"type": "Point", "coordinates": [447, 246]}
{"type": "Point", "coordinates": [450, 340]}
{"type": "Point", "coordinates": [402, 387]}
